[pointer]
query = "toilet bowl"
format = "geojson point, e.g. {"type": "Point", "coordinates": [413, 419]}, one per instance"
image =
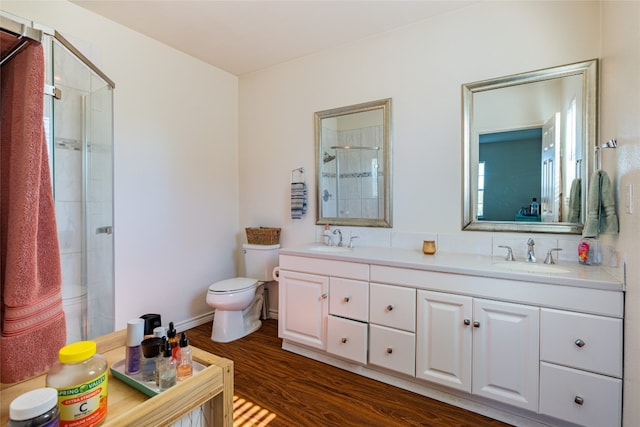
{"type": "Point", "coordinates": [237, 302]}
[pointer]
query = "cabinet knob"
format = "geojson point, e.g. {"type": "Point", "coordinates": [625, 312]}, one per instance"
{"type": "Point", "coordinates": [344, 340]}
{"type": "Point", "coordinates": [579, 400]}
{"type": "Point", "coordinates": [323, 296]}
{"type": "Point", "coordinates": [389, 307]}
{"type": "Point", "coordinates": [476, 324]}
{"type": "Point", "coordinates": [346, 299]}
{"type": "Point", "coordinates": [580, 343]}
{"type": "Point", "coordinates": [389, 350]}
{"type": "Point", "coordinates": [467, 322]}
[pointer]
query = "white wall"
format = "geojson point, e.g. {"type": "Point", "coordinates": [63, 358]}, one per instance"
{"type": "Point", "coordinates": [421, 67]}
{"type": "Point", "coordinates": [176, 164]}
{"type": "Point", "coordinates": [620, 119]}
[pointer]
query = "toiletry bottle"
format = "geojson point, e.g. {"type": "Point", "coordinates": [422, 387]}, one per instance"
{"type": "Point", "coordinates": [534, 207]}
{"type": "Point", "coordinates": [326, 236]}
{"type": "Point", "coordinates": [133, 355]}
{"type": "Point", "coordinates": [588, 251]}
{"type": "Point", "coordinates": [160, 358]}
{"type": "Point", "coordinates": [167, 373]}
{"type": "Point", "coordinates": [173, 339]}
{"type": "Point", "coordinates": [150, 353]}
{"type": "Point", "coordinates": [35, 408]}
{"type": "Point", "coordinates": [81, 376]}
{"type": "Point", "coordinates": [184, 359]}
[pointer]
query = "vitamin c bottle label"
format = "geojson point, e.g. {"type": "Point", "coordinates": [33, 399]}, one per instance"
{"type": "Point", "coordinates": [84, 404]}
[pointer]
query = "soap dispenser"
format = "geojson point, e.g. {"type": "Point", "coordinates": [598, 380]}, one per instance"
{"type": "Point", "coordinates": [534, 207]}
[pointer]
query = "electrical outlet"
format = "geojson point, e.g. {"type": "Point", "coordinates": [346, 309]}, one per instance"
{"type": "Point", "coordinates": [628, 198]}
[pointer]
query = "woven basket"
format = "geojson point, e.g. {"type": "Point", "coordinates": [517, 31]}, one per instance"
{"type": "Point", "coordinates": [263, 235]}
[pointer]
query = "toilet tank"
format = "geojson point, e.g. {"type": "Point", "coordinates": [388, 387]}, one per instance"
{"type": "Point", "coordinates": [259, 261]}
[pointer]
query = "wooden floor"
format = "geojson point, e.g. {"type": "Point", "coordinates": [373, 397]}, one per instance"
{"type": "Point", "coordinates": [274, 388]}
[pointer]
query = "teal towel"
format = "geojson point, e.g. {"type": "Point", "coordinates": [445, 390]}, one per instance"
{"type": "Point", "coordinates": [575, 201]}
{"type": "Point", "coordinates": [601, 214]}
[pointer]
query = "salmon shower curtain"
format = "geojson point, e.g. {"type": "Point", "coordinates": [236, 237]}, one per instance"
{"type": "Point", "coordinates": [32, 321]}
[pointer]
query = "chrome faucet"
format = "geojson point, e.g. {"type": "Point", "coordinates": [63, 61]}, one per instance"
{"type": "Point", "coordinates": [339, 233]}
{"type": "Point", "coordinates": [531, 256]}
{"type": "Point", "coordinates": [351, 241]}
{"type": "Point", "coordinates": [549, 259]}
{"type": "Point", "coordinates": [509, 256]}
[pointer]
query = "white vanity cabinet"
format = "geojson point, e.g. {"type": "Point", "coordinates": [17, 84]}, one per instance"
{"type": "Point", "coordinates": [488, 348]}
{"type": "Point", "coordinates": [581, 367]}
{"type": "Point", "coordinates": [515, 347]}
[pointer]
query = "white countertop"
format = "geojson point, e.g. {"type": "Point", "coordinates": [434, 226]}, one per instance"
{"type": "Point", "coordinates": [594, 277]}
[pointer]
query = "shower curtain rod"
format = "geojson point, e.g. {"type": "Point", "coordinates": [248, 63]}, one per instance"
{"type": "Point", "coordinates": [22, 31]}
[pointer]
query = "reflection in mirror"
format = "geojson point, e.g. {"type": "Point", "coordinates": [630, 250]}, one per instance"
{"type": "Point", "coordinates": [527, 143]}
{"type": "Point", "coordinates": [353, 147]}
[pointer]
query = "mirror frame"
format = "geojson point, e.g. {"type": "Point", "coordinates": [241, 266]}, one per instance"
{"type": "Point", "coordinates": [385, 106]}
{"type": "Point", "coordinates": [589, 72]}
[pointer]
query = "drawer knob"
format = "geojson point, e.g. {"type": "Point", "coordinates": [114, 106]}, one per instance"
{"type": "Point", "coordinates": [346, 299]}
{"type": "Point", "coordinates": [467, 322]}
{"type": "Point", "coordinates": [344, 340]}
{"type": "Point", "coordinates": [389, 350]}
{"type": "Point", "coordinates": [579, 400]}
{"type": "Point", "coordinates": [389, 307]}
{"type": "Point", "coordinates": [580, 343]}
{"type": "Point", "coordinates": [476, 324]}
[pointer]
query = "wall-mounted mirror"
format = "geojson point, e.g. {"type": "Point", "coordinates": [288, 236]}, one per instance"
{"type": "Point", "coordinates": [529, 136]}
{"type": "Point", "coordinates": [353, 162]}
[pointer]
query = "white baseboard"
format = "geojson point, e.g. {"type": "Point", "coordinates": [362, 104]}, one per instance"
{"type": "Point", "coordinates": [193, 322]}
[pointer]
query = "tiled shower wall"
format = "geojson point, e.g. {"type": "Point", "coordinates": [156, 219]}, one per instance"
{"type": "Point", "coordinates": [358, 183]}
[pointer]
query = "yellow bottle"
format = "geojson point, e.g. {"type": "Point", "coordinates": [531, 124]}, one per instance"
{"type": "Point", "coordinates": [81, 380]}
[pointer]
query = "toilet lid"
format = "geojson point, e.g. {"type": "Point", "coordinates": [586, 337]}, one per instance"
{"type": "Point", "coordinates": [235, 284]}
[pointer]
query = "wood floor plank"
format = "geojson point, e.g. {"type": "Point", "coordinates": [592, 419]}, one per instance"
{"type": "Point", "coordinates": [276, 388]}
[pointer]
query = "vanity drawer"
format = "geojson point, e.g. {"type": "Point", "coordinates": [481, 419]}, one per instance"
{"type": "Point", "coordinates": [583, 341]}
{"type": "Point", "coordinates": [392, 349]}
{"type": "Point", "coordinates": [393, 306]}
{"type": "Point", "coordinates": [580, 397]}
{"type": "Point", "coordinates": [349, 298]}
{"type": "Point", "coordinates": [347, 339]}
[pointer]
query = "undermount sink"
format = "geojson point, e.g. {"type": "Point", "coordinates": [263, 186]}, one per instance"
{"type": "Point", "coordinates": [330, 249]}
{"type": "Point", "coordinates": [529, 267]}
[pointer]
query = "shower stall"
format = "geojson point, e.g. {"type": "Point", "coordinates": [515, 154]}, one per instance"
{"type": "Point", "coordinates": [78, 121]}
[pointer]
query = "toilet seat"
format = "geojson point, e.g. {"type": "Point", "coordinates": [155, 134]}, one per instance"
{"type": "Point", "coordinates": [233, 285]}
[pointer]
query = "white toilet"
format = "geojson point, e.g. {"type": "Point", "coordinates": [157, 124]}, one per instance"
{"type": "Point", "coordinates": [238, 301]}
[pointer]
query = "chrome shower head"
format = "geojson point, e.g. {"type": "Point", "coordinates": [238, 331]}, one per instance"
{"type": "Point", "coordinates": [327, 157]}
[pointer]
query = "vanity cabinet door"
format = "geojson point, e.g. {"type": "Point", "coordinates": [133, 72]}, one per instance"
{"type": "Point", "coordinates": [303, 299]}
{"type": "Point", "coordinates": [443, 339]}
{"type": "Point", "coordinates": [347, 339]}
{"type": "Point", "coordinates": [506, 353]}
{"type": "Point", "coordinates": [392, 306]}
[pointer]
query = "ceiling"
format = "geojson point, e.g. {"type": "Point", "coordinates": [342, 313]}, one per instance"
{"type": "Point", "coordinates": [242, 36]}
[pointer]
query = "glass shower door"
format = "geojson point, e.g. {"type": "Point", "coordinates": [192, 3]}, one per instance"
{"type": "Point", "coordinates": [83, 191]}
